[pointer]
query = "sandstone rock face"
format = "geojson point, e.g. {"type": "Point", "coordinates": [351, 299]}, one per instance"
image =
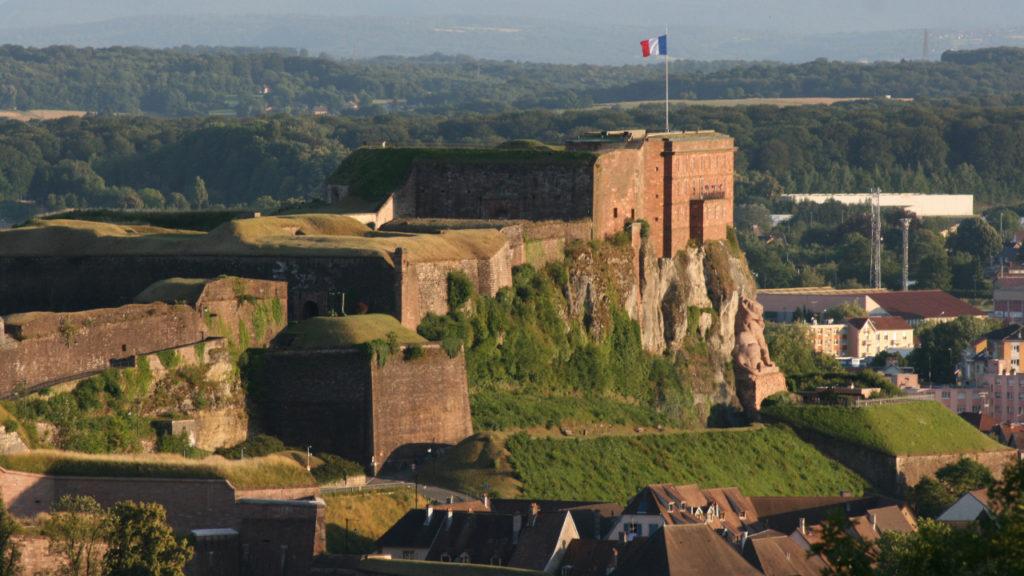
{"type": "Point", "coordinates": [700, 304]}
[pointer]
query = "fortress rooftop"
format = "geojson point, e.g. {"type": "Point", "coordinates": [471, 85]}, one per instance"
{"type": "Point", "coordinates": [301, 235]}
{"type": "Point", "coordinates": [323, 333]}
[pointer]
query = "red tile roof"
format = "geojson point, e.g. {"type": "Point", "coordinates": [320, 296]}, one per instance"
{"type": "Point", "coordinates": [924, 304]}
{"type": "Point", "coordinates": [881, 323]}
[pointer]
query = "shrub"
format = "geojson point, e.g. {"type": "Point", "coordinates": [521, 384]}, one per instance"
{"type": "Point", "coordinates": [335, 468]}
{"type": "Point", "coordinates": [413, 352]}
{"type": "Point", "coordinates": [169, 359]}
{"type": "Point", "coordinates": [460, 289]}
{"type": "Point", "coordinates": [257, 446]}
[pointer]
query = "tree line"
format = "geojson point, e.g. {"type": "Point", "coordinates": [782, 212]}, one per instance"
{"type": "Point", "coordinates": [118, 161]}
{"type": "Point", "coordinates": [202, 81]}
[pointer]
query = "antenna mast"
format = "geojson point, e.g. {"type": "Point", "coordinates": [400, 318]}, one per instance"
{"type": "Point", "coordinates": [906, 253]}
{"type": "Point", "coordinates": [876, 238]}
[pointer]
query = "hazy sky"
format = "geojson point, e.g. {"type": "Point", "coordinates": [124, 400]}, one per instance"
{"type": "Point", "coordinates": [592, 31]}
{"type": "Point", "coordinates": [808, 16]}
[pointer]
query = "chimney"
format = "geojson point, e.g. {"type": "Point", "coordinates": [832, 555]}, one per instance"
{"type": "Point", "coordinates": [448, 520]}
{"type": "Point", "coordinates": [874, 521]}
{"type": "Point", "coordinates": [487, 501]}
{"type": "Point", "coordinates": [803, 526]}
{"type": "Point", "coordinates": [428, 516]}
{"type": "Point", "coordinates": [534, 512]}
{"type": "Point", "coordinates": [743, 540]}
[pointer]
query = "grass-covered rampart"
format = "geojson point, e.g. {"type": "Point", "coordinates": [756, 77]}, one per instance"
{"type": "Point", "coordinates": [906, 428]}
{"type": "Point", "coordinates": [771, 461]}
{"type": "Point", "coordinates": [250, 474]}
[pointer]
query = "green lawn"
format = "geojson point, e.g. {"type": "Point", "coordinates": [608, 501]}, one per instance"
{"type": "Point", "coordinates": [764, 462]}
{"type": "Point", "coordinates": [897, 429]}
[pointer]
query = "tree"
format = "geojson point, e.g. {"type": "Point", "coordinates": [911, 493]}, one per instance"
{"type": "Point", "coordinates": [942, 344]}
{"type": "Point", "coordinates": [200, 197]}
{"type": "Point", "coordinates": [179, 202]}
{"type": "Point", "coordinates": [977, 237]}
{"type": "Point", "coordinates": [792, 350]}
{"type": "Point", "coordinates": [847, 555]}
{"type": "Point", "coordinates": [76, 528]}
{"type": "Point", "coordinates": [964, 476]}
{"type": "Point", "coordinates": [141, 542]}
{"type": "Point", "coordinates": [844, 312]}
{"type": "Point", "coordinates": [10, 554]}
{"type": "Point", "coordinates": [750, 215]}
{"type": "Point", "coordinates": [929, 265]}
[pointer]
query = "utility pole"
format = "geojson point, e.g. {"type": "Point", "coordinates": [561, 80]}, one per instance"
{"type": "Point", "coordinates": [906, 253]}
{"type": "Point", "coordinates": [876, 238]}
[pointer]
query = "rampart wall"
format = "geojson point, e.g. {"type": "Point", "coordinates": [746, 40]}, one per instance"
{"type": "Point", "coordinates": [894, 474]}
{"type": "Point", "coordinates": [559, 190]}
{"type": "Point", "coordinates": [51, 347]}
{"type": "Point", "coordinates": [86, 282]}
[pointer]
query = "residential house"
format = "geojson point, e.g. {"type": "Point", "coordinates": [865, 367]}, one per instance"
{"type": "Point", "coordinates": [868, 337]}
{"type": "Point", "coordinates": [867, 527]}
{"type": "Point", "coordinates": [775, 554]}
{"type": "Point", "coordinates": [533, 541]}
{"type": "Point", "coordinates": [829, 338]}
{"type": "Point", "coordinates": [725, 510]}
{"type": "Point", "coordinates": [969, 508]}
{"type": "Point", "coordinates": [991, 382]}
{"type": "Point", "coordinates": [1008, 296]}
{"type": "Point", "coordinates": [676, 549]}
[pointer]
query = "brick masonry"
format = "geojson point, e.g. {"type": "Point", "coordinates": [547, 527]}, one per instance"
{"type": "Point", "coordinates": [342, 402]}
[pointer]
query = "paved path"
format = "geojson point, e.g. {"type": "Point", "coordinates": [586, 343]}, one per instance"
{"type": "Point", "coordinates": [434, 493]}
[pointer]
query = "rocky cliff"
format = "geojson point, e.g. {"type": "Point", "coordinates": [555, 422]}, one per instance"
{"type": "Point", "coordinates": [695, 306]}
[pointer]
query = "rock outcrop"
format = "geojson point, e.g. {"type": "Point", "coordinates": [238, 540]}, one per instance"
{"type": "Point", "coordinates": [700, 304]}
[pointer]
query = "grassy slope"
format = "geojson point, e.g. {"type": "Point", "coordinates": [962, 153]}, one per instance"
{"type": "Point", "coordinates": [768, 461]}
{"type": "Point", "coordinates": [369, 515]}
{"type": "Point", "coordinates": [907, 428]}
{"type": "Point", "coordinates": [250, 474]}
{"type": "Point", "coordinates": [764, 462]}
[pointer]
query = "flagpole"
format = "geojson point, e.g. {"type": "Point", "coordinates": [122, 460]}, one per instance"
{"type": "Point", "coordinates": [666, 79]}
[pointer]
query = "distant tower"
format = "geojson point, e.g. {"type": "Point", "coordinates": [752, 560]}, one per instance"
{"type": "Point", "coordinates": [876, 238]}
{"type": "Point", "coordinates": [906, 253]}
{"type": "Point", "coordinates": [924, 50]}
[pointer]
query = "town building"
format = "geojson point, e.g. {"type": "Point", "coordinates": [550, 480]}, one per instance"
{"type": "Point", "coordinates": [1008, 297]}
{"type": "Point", "coordinates": [969, 508]}
{"type": "Point", "coordinates": [868, 337]}
{"type": "Point", "coordinates": [915, 306]}
{"type": "Point", "coordinates": [921, 205]}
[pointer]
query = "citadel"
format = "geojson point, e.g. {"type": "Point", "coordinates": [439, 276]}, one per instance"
{"type": "Point", "coordinates": [310, 294]}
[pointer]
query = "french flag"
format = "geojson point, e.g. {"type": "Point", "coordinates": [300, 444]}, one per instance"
{"type": "Point", "coordinates": [655, 46]}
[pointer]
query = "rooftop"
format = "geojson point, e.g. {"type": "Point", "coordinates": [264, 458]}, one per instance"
{"type": "Point", "coordinates": [881, 323]}
{"type": "Point", "coordinates": [298, 235]}
{"type": "Point", "coordinates": [684, 550]}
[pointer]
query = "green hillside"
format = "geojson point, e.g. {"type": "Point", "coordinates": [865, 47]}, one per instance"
{"type": "Point", "coordinates": [897, 429]}
{"type": "Point", "coordinates": [762, 462]}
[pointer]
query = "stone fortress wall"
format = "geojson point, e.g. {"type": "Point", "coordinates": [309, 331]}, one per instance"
{"type": "Point", "coordinates": [45, 348]}
{"type": "Point", "coordinates": [343, 399]}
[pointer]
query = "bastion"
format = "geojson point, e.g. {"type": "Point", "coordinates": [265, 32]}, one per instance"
{"type": "Point", "coordinates": [339, 385]}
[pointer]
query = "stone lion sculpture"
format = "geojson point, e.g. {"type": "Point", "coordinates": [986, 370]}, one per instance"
{"type": "Point", "coordinates": [751, 349]}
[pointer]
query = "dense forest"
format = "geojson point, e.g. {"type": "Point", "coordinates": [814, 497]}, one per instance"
{"type": "Point", "coordinates": [108, 161]}
{"type": "Point", "coordinates": [189, 82]}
